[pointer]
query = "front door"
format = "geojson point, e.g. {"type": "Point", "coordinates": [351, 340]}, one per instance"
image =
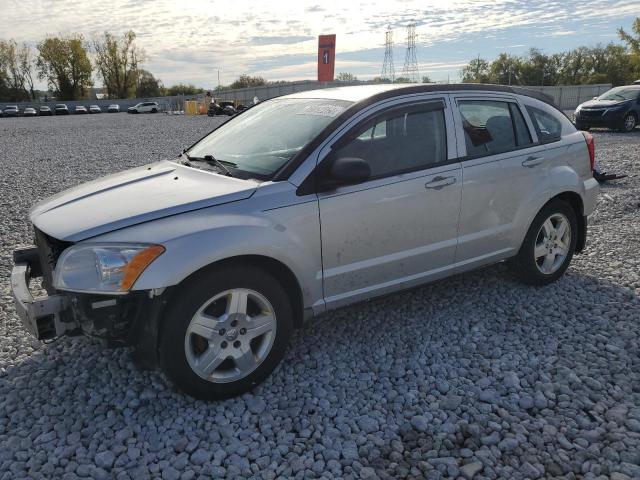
{"type": "Point", "coordinates": [400, 227]}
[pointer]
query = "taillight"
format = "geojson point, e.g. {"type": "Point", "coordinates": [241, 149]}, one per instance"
{"type": "Point", "coordinates": [591, 146]}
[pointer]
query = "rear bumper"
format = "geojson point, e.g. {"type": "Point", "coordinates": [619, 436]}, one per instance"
{"type": "Point", "coordinates": [590, 197]}
{"type": "Point", "coordinates": [42, 316]}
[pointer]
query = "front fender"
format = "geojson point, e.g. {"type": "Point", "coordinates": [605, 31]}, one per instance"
{"type": "Point", "coordinates": [194, 240]}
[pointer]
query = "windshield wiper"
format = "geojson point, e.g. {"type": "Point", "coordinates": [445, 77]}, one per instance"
{"type": "Point", "coordinates": [214, 161]}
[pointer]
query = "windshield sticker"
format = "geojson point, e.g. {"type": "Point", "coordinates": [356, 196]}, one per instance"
{"type": "Point", "coordinates": [322, 110]}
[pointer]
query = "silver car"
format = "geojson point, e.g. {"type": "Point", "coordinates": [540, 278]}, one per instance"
{"type": "Point", "coordinates": [300, 205]}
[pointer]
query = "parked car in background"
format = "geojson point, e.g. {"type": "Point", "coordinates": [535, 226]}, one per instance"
{"type": "Point", "coordinates": [45, 110]}
{"type": "Point", "coordinates": [80, 110]}
{"type": "Point", "coordinates": [11, 111]}
{"type": "Point", "coordinates": [618, 109]}
{"type": "Point", "coordinates": [29, 112]}
{"type": "Point", "coordinates": [61, 109]}
{"type": "Point", "coordinates": [94, 109]}
{"type": "Point", "coordinates": [303, 204]}
{"type": "Point", "coordinates": [113, 108]}
{"type": "Point", "coordinates": [144, 107]}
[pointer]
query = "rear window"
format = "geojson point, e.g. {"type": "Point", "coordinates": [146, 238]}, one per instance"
{"type": "Point", "coordinates": [492, 127]}
{"type": "Point", "coordinates": [548, 127]}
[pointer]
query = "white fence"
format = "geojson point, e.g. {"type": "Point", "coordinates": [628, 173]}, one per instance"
{"type": "Point", "coordinates": [567, 97]}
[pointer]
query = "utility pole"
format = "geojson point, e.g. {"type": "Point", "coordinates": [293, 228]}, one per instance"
{"type": "Point", "coordinates": [388, 70]}
{"type": "Point", "coordinates": [410, 69]}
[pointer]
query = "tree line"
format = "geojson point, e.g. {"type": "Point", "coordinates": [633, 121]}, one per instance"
{"type": "Point", "coordinates": [67, 64]}
{"type": "Point", "coordinates": [613, 63]}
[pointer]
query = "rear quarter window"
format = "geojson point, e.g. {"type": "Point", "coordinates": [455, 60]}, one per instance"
{"type": "Point", "coordinates": [547, 125]}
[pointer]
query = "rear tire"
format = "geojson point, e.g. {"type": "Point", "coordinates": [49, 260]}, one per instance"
{"type": "Point", "coordinates": [207, 344]}
{"type": "Point", "coordinates": [549, 245]}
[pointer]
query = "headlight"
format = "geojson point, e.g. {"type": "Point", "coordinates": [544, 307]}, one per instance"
{"type": "Point", "coordinates": [107, 268]}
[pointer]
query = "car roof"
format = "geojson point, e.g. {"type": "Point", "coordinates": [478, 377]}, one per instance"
{"type": "Point", "coordinates": [359, 93]}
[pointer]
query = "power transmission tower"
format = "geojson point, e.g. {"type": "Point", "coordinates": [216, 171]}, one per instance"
{"type": "Point", "coordinates": [388, 70]}
{"type": "Point", "coordinates": [410, 69]}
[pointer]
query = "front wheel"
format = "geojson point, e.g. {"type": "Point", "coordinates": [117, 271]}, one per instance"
{"type": "Point", "coordinates": [548, 247]}
{"type": "Point", "coordinates": [629, 123]}
{"type": "Point", "coordinates": [225, 332]}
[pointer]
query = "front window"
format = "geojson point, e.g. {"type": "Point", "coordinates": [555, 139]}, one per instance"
{"type": "Point", "coordinates": [620, 94]}
{"type": "Point", "coordinates": [261, 140]}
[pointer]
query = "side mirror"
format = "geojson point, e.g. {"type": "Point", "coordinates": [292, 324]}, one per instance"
{"type": "Point", "coordinates": [347, 171]}
{"type": "Point", "coordinates": [594, 98]}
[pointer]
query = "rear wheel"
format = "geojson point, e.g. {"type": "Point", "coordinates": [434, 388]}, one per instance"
{"type": "Point", "coordinates": [225, 332]}
{"type": "Point", "coordinates": [549, 245]}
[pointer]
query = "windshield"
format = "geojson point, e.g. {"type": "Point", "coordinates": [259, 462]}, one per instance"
{"type": "Point", "coordinates": [620, 93]}
{"type": "Point", "coordinates": [268, 135]}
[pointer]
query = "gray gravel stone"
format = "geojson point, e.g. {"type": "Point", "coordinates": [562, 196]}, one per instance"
{"type": "Point", "coordinates": [520, 382]}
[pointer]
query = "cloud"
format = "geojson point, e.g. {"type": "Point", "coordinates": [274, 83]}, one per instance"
{"type": "Point", "coordinates": [190, 41]}
{"type": "Point", "coordinates": [280, 40]}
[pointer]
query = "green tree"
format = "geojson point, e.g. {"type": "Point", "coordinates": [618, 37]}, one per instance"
{"type": "Point", "coordinates": [633, 43]}
{"type": "Point", "coordinates": [182, 89]}
{"type": "Point", "coordinates": [346, 77]}
{"type": "Point", "coordinates": [245, 81]}
{"type": "Point", "coordinates": [117, 61]}
{"type": "Point", "coordinates": [16, 71]}
{"type": "Point", "coordinates": [426, 79]}
{"type": "Point", "coordinates": [505, 70]}
{"type": "Point", "coordinates": [476, 71]}
{"type": "Point", "coordinates": [64, 63]}
{"type": "Point", "coordinates": [148, 85]}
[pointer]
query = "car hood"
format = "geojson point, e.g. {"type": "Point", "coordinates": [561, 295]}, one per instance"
{"type": "Point", "coordinates": [134, 196]}
{"type": "Point", "coordinates": [603, 103]}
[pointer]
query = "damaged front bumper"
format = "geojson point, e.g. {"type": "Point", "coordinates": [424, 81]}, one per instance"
{"type": "Point", "coordinates": [131, 319]}
{"type": "Point", "coordinates": [43, 316]}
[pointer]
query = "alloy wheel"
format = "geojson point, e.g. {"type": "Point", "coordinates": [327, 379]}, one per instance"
{"type": "Point", "coordinates": [552, 243]}
{"type": "Point", "coordinates": [230, 335]}
{"type": "Point", "coordinates": [629, 123]}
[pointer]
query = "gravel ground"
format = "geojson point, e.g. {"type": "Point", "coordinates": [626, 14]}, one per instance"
{"type": "Point", "coordinates": [473, 377]}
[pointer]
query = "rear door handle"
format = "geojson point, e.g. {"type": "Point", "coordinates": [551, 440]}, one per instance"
{"type": "Point", "coordinates": [532, 161]}
{"type": "Point", "coordinates": [440, 182]}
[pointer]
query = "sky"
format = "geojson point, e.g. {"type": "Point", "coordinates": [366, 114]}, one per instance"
{"type": "Point", "coordinates": [192, 41]}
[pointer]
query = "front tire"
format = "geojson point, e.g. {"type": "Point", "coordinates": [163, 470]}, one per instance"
{"type": "Point", "coordinates": [549, 245]}
{"type": "Point", "coordinates": [225, 331]}
{"type": "Point", "coordinates": [629, 122]}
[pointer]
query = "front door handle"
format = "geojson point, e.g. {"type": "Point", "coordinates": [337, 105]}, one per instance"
{"type": "Point", "coordinates": [440, 182]}
{"type": "Point", "coordinates": [532, 162]}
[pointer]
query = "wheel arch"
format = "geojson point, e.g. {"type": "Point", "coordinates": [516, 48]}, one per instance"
{"type": "Point", "coordinates": [279, 270]}
{"type": "Point", "coordinates": [576, 203]}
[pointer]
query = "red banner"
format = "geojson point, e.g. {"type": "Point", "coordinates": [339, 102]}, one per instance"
{"type": "Point", "coordinates": [326, 57]}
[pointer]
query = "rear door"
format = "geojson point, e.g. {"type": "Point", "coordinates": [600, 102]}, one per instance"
{"type": "Point", "coordinates": [505, 173]}
{"type": "Point", "coordinates": [399, 228]}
